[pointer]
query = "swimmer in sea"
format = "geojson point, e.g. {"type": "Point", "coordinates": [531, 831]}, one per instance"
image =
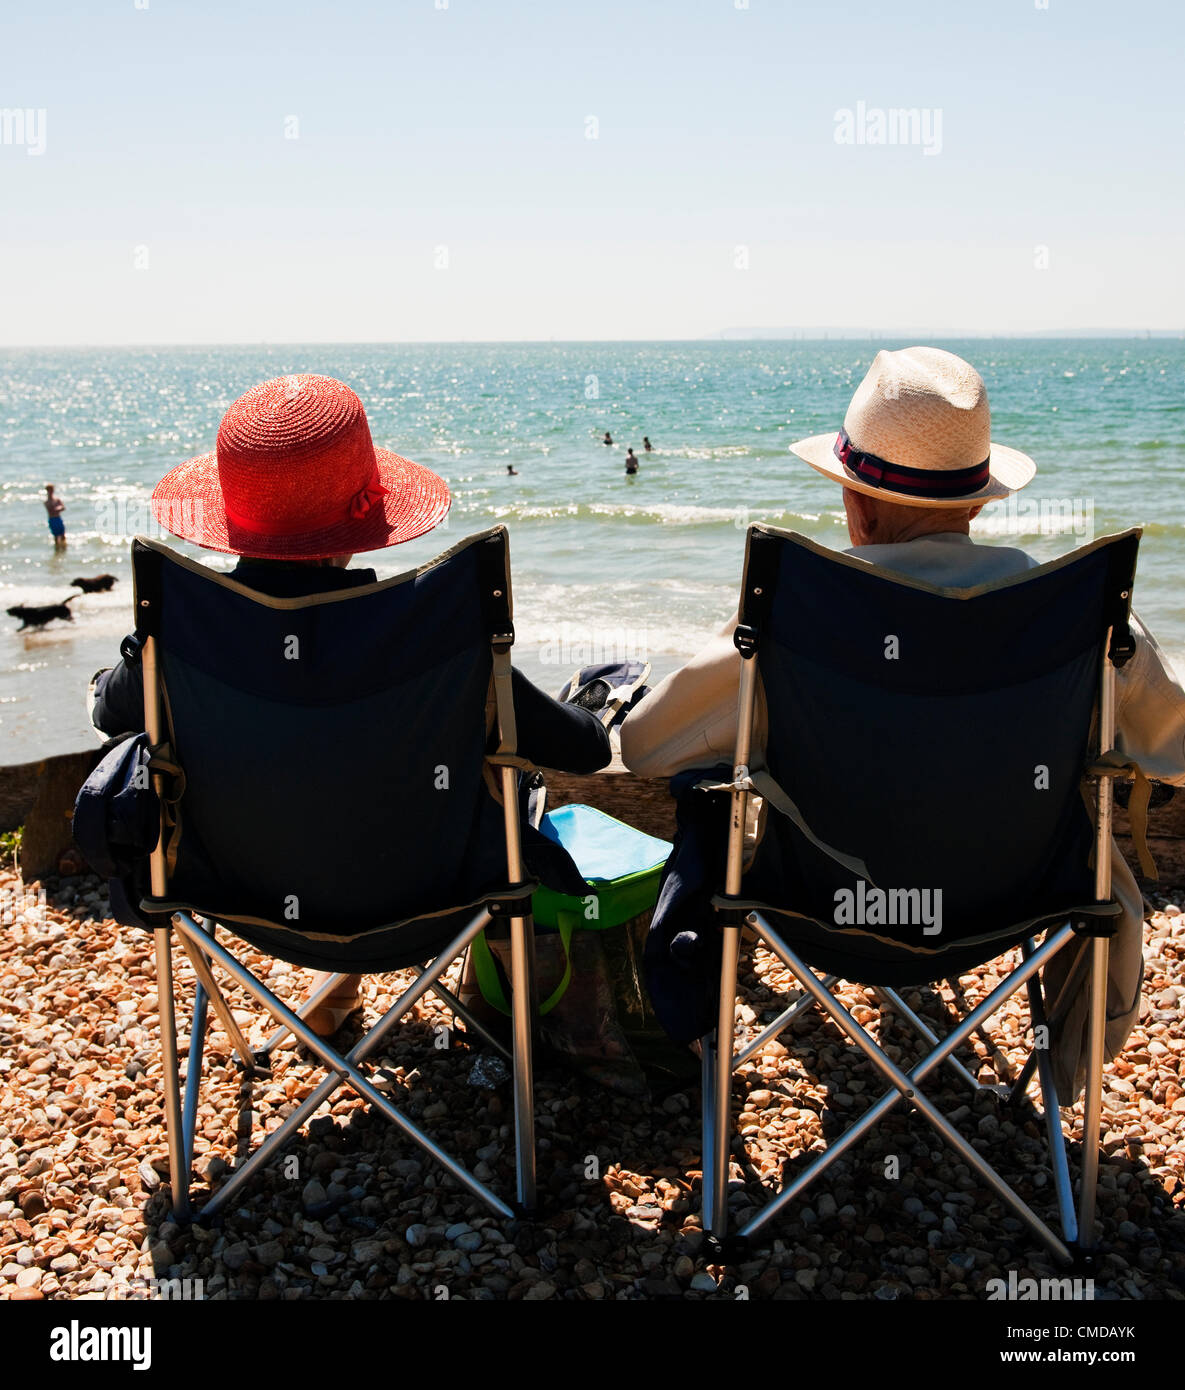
{"type": "Point", "coordinates": [608, 439]}
{"type": "Point", "coordinates": [511, 471]}
{"type": "Point", "coordinates": [646, 444]}
{"type": "Point", "coordinates": [54, 507]}
{"type": "Point", "coordinates": [631, 461]}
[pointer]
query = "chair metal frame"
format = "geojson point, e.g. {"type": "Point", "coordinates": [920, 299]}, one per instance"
{"type": "Point", "coordinates": [721, 1058]}
{"type": "Point", "coordinates": [198, 939]}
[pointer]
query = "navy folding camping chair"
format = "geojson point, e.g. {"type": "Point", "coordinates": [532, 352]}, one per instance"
{"type": "Point", "coordinates": [274, 713]}
{"type": "Point", "coordinates": [923, 742]}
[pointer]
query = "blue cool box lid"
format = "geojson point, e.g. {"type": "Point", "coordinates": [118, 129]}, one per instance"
{"type": "Point", "coordinates": [604, 849]}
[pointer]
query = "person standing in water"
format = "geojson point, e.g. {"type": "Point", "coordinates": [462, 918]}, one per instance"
{"type": "Point", "coordinates": [646, 444]}
{"type": "Point", "coordinates": [631, 461]}
{"type": "Point", "coordinates": [608, 438]}
{"type": "Point", "coordinates": [54, 507]}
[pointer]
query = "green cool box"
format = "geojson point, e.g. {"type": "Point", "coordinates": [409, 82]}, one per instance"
{"type": "Point", "coordinates": [622, 867]}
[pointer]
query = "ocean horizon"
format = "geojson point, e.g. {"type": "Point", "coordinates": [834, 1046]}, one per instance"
{"type": "Point", "coordinates": [605, 565]}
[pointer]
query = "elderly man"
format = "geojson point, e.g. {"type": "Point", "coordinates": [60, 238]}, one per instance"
{"type": "Point", "coordinates": [916, 462]}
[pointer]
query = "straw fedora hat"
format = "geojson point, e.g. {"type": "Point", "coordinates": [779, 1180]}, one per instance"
{"type": "Point", "coordinates": [919, 431]}
{"type": "Point", "coordinates": [295, 475]}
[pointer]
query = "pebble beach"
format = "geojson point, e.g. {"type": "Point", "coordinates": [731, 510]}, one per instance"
{"type": "Point", "coordinates": [353, 1212]}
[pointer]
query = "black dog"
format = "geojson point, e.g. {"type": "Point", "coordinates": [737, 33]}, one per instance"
{"type": "Point", "coordinates": [38, 617]}
{"type": "Point", "coordinates": [99, 585]}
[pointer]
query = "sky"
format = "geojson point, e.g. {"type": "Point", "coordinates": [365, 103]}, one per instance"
{"type": "Point", "coordinates": [444, 170]}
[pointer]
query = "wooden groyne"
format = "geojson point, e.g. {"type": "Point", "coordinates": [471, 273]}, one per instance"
{"type": "Point", "coordinates": [40, 797]}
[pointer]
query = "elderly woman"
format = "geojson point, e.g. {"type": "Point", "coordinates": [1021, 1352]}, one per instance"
{"type": "Point", "coordinates": [294, 488]}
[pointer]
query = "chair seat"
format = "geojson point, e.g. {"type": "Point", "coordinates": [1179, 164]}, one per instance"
{"type": "Point", "coordinates": [384, 947]}
{"type": "Point", "coordinates": [862, 956]}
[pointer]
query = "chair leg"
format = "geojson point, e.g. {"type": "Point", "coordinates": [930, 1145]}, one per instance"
{"type": "Point", "coordinates": [1023, 1077]}
{"type": "Point", "coordinates": [907, 1086]}
{"type": "Point", "coordinates": [1054, 1135]}
{"type": "Point", "coordinates": [318, 996]}
{"type": "Point", "coordinates": [201, 968]}
{"type": "Point", "coordinates": [896, 1002]}
{"type": "Point", "coordinates": [722, 1089]}
{"type": "Point", "coordinates": [193, 1072]}
{"type": "Point", "coordinates": [1100, 954]}
{"type": "Point", "coordinates": [1092, 1100]}
{"type": "Point", "coordinates": [273, 1143]}
{"type": "Point", "coordinates": [778, 1026]}
{"type": "Point", "coordinates": [472, 1023]}
{"type": "Point", "coordinates": [178, 1172]}
{"type": "Point", "coordinates": [342, 1068]}
{"type": "Point", "coordinates": [708, 1131]}
{"type": "Point", "coordinates": [522, 930]}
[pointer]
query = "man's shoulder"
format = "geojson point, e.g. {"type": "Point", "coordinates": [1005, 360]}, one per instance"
{"type": "Point", "coordinates": [950, 558]}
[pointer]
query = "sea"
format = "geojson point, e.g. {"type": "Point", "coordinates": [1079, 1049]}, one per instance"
{"type": "Point", "coordinates": [606, 566]}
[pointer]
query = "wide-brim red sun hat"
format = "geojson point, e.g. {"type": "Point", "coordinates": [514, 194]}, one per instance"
{"type": "Point", "coordinates": [295, 475]}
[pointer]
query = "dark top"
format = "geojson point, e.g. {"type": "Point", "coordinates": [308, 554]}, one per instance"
{"type": "Point", "coordinates": [550, 734]}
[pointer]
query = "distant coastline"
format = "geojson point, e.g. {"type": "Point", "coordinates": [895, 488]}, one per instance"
{"type": "Point", "coordinates": [738, 334]}
{"type": "Point", "coordinates": [818, 334]}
